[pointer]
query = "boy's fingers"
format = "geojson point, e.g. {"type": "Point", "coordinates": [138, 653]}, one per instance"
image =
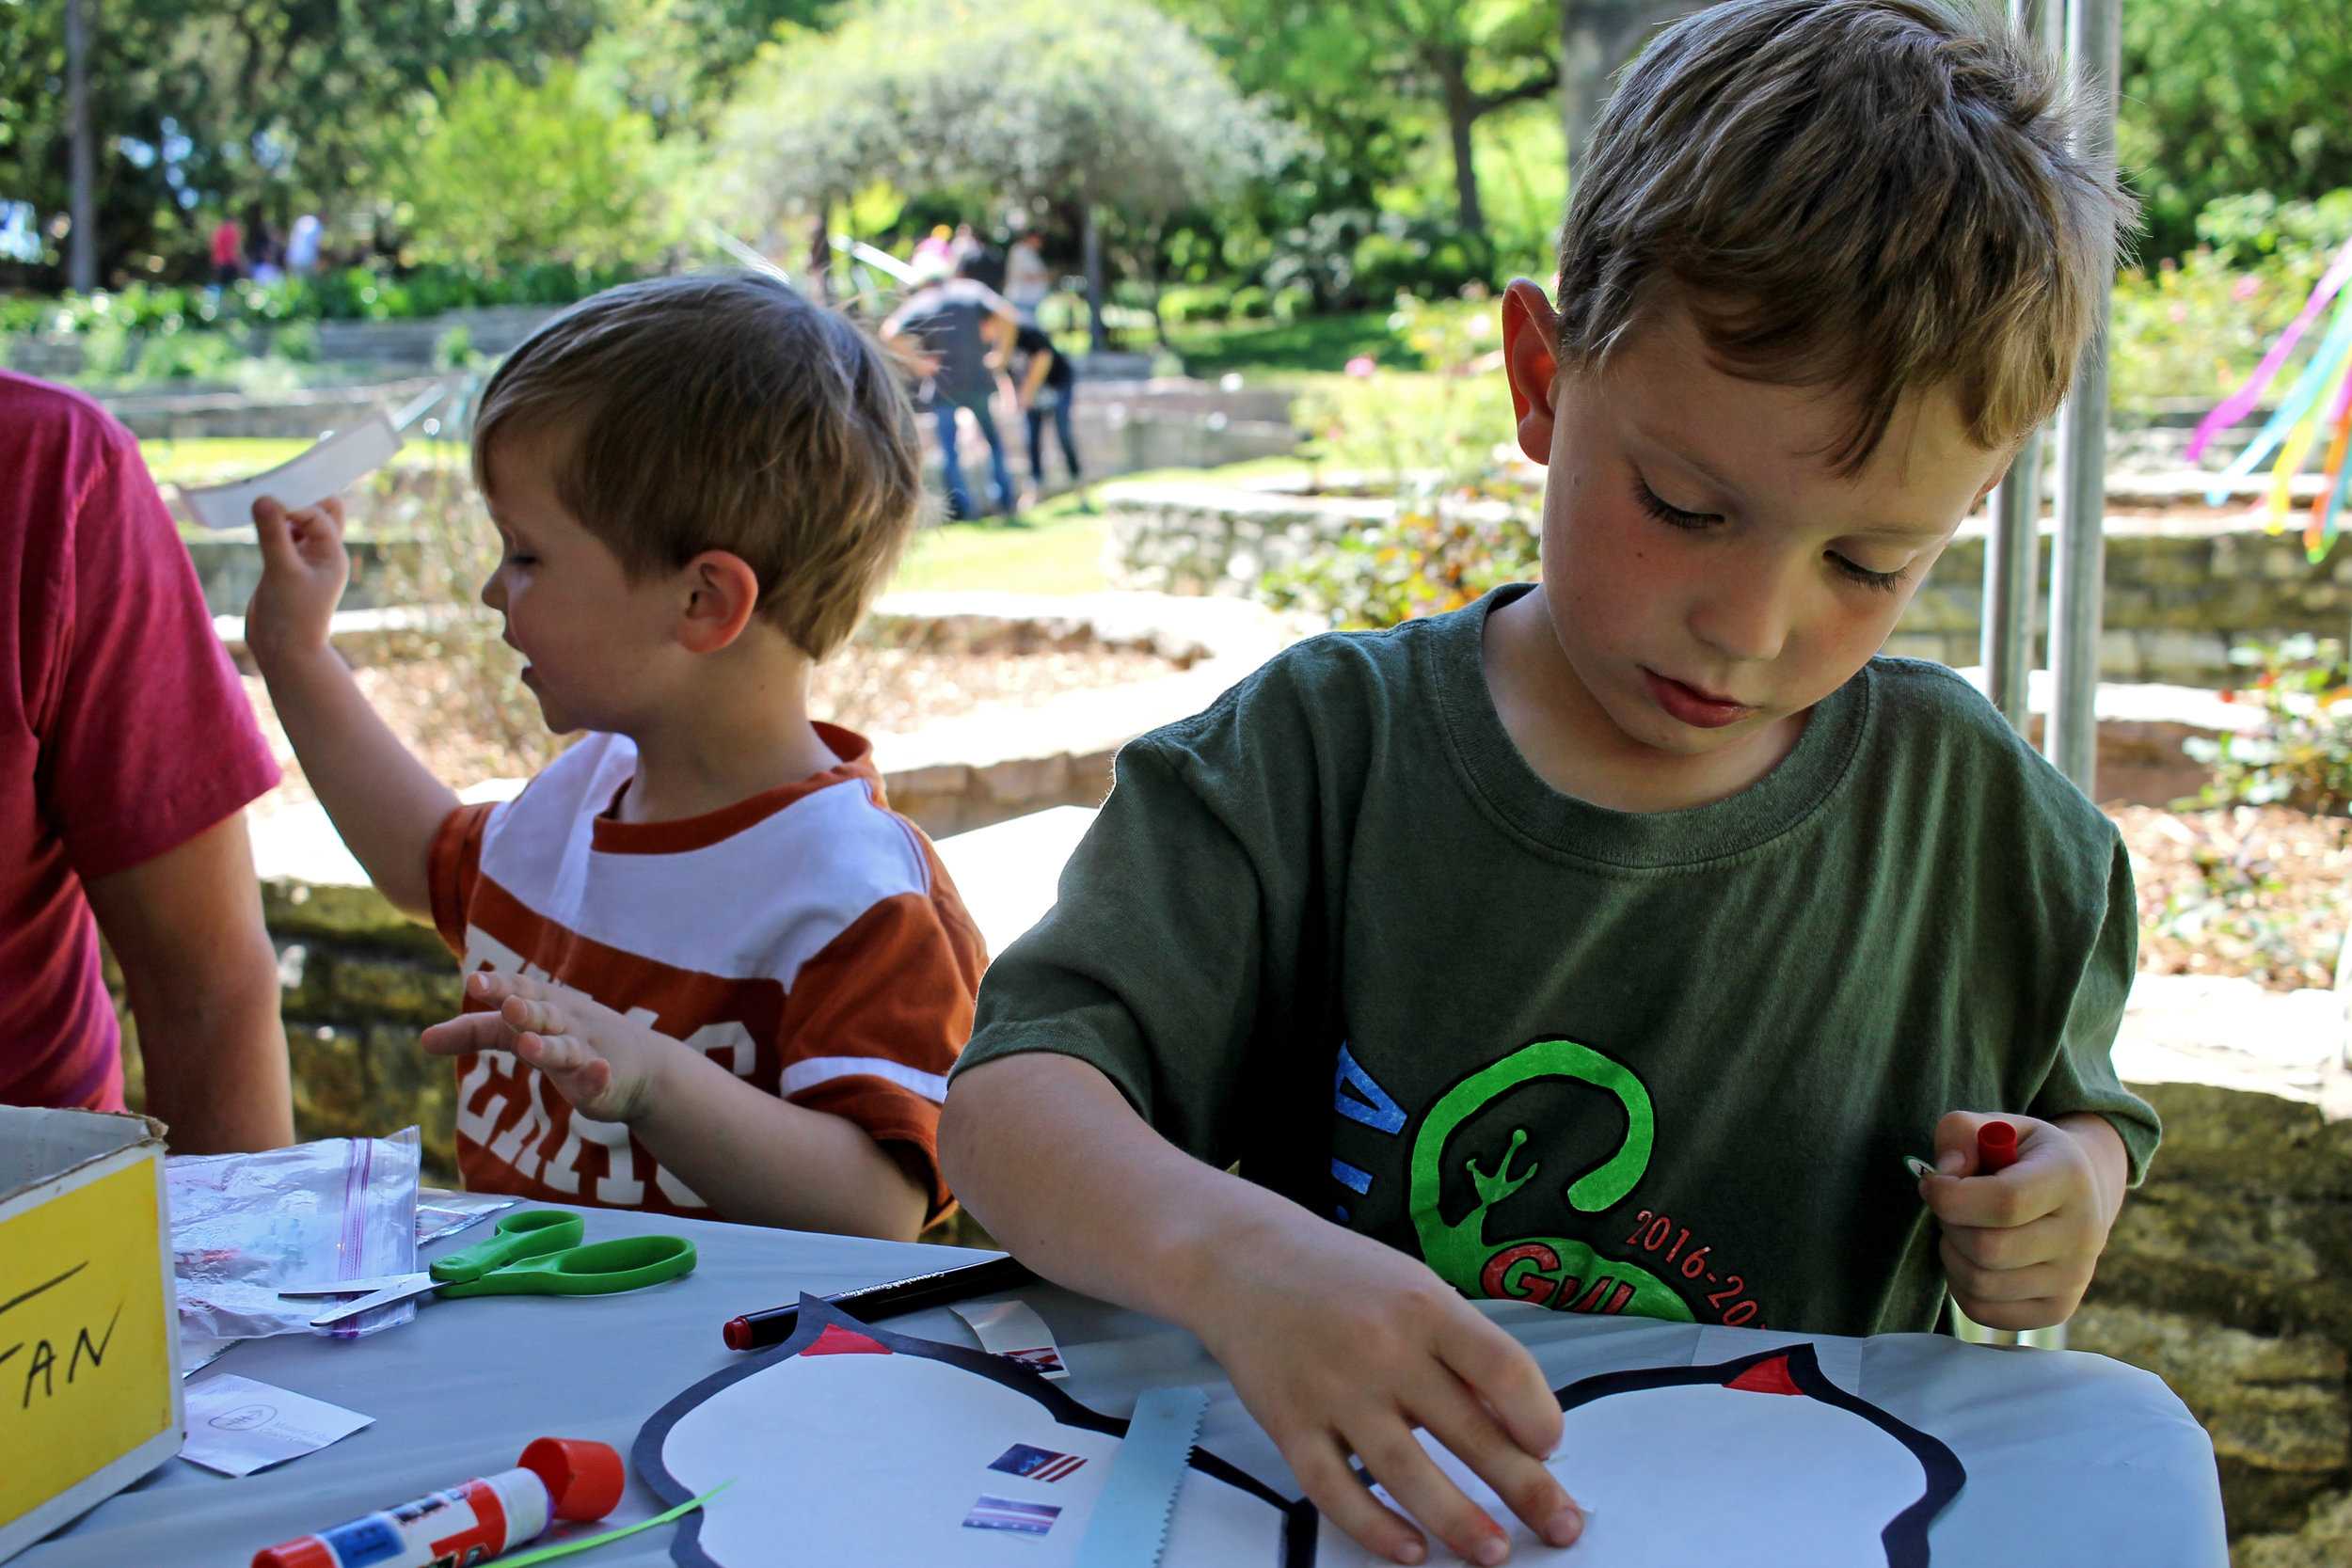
{"type": "Point", "coordinates": [1973, 1282]}
{"type": "Point", "coordinates": [1467, 1427]}
{"type": "Point", "coordinates": [1329, 1481]}
{"type": "Point", "coordinates": [1499, 1371]}
{"type": "Point", "coordinates": [2017, 1197]}
{"type": "Point", "coordinates": [524, 1012]}
{"type": "Point", "coordinates": [1398, 1462]}
{"type": "Point", "coordinates": [2046, 1239]}
{"type": "Point", "coordinates": [1956, 1140]}
{"type": "Point", "coordinates": [467, 1032]}
{"type": "Point", "coordinates": [553, 1053]}
{"type": "Point", "coordinates": [2018, 1315]}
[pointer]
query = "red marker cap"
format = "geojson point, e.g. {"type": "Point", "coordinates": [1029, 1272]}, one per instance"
{"type": "Point", "coordinates": [583, 1478]}
{"type": "Point", "coordinates": [1996, 1148]}
{"type": "Point", "coordinates": [738, 1332]}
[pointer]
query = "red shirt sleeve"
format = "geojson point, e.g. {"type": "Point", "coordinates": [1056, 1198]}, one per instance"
{"type": "Point", "coordinates": [896, 987]}
{"type": "Point", "coordinates": [148, 739]}
{"type": "Point", "coordinates": [453, 868]}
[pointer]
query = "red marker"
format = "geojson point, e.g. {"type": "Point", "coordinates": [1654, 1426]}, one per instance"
{"type": "Point", "coordinates": [1996, 1148]}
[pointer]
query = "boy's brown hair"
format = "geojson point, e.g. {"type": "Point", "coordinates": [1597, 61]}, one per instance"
{"type": "Point", "coordinates": [723, 411]}
{"type": "Point", "coordinates": [1875, 195]}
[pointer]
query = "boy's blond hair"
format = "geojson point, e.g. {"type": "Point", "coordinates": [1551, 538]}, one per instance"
{"type": "Point", "coordinates": [723, 411]}
{"type": "Point", "coordinates": [1875, 194]}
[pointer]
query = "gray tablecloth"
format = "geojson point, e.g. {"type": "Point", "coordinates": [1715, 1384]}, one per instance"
{"type": "Point", "coordinates": [461, 1391]}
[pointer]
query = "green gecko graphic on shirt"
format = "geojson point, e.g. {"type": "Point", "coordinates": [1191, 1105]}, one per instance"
{"type": "Point", "coordinates": [1566, 1276]}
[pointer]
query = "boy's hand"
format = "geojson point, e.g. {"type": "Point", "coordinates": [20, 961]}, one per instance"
{"type": "Point", "coordinates": [602, 1062]}
{"type": "Point", "coordinates": [303, 568]}
{"type": "Point", "coordinates": [1341, 1346]}
{"type": "Point", "coordinates": [2020, 1244]}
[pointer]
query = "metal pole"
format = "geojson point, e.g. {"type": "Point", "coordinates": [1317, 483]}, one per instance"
{"type": "Point", "coordinates": [81, 244]}
{"type": "Point", "coordinates": [2012, 546]}
{"type": "Point", "coordinates": [2093, 40]}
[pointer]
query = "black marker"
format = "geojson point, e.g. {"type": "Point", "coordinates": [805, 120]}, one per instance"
{"type": "Point", "coordinates": [758, 1330]}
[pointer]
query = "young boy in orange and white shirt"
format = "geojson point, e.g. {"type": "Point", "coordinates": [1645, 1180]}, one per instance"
{"type": "Point", "coordinates": [710, 970]}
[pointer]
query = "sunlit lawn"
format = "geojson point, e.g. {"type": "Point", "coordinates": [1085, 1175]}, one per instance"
{"type": "Point", "coordinates": [1053, 548]}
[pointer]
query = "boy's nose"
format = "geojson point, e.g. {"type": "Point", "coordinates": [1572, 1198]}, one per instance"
{"type": "Point", "coordinates": [494, 592]}
{"type": "Point", "coordinates": [1745, 615]}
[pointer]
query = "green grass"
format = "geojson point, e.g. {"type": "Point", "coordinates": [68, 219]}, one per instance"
{"type": "Point", "coordinates": [1053, 548]}
{"type": "Point", "coordinates": [1313, 343]}
{"type": "Point", "coordinates": [209, 460]}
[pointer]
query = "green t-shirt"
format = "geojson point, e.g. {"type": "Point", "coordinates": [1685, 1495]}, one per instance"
{"type": "Point", "coordinates": [1335, 930]}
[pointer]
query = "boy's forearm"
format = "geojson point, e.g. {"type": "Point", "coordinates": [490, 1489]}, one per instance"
{"type": "Point", "coordinates": [758, 1160]}
{"type": "Point", "coordinates": [1031, 1145]}
{"type": "Point", "coordinates": [382, 801]}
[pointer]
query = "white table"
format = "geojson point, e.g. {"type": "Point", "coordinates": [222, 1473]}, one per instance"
{"type": "Point", "coordinates": [458, 1393]}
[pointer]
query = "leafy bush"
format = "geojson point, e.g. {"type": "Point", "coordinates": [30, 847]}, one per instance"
{"type": "Point", "coordinates": [2193, 329]}
{"type": "Point", "coordinates": [1440, 551]}
{"type": "Point", "coordinates": [2301, 753]}
{"type": "Point", "coordinates": [350, 293]}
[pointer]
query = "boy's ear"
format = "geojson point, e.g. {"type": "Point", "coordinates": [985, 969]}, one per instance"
{"type": "Point", "coordinates": [1531, 359]}
{"type": "Point", "coordinates": [721, 596]}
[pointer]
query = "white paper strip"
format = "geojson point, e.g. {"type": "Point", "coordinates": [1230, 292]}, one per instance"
{"type": "Point", "coordinates": [1013, 1330]}
{"type": "Point", "coordinates": [327, 468]}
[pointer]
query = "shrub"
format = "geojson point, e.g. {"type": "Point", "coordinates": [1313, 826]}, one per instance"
{"type": "Point", "coordinates": [2300, 755]}
{"type": "Point", "coordinates": [1440, 552]}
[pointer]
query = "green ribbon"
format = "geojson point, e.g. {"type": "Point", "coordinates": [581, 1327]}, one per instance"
{"type": "Point", "coordinates": [566, 1548]}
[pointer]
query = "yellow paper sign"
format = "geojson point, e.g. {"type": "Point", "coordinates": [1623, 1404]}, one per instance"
{"type": "Point", "coordinates": [85, 1360]}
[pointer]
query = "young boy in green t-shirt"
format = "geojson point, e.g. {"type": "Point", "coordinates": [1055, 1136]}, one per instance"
{"type": "Point", "coordinates": [1606, 945]}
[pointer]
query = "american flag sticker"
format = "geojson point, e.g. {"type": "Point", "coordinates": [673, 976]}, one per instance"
{"type": "Point", "coordinates": [1005, 1513]}
{"type": "Point", "coordinates": [1035, 1464]}
{"type": "Point", "coordinates": [1046, 1359]}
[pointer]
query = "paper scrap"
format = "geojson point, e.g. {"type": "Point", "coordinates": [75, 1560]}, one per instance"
{"type": "Point", "coordinates": [1013, 1330]}
{"type": "Point", "coordinates": [1917, 1167]}
{"type": "Point", "coordinates": [238, 1426]}
{"type": "Point", "coordinates": [1036, 1464]}
{"type": "Point", "coordinates": [331, 466]}
{"type": "Point", "coordinates": [1009, 1514]}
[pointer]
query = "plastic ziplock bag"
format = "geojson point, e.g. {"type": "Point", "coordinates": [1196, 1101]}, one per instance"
{"type": "Point", "coordinates": [244, 1225]}
{"type": "Point", "coordinates": [440, 1214]}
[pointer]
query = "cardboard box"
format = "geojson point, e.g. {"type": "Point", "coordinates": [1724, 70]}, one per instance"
{"type": "Point", "coordinates": [89, 1362]}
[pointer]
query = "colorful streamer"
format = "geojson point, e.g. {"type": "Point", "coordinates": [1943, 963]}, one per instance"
{"type": "Point", "coordinates": [2316, 409]}
{"type": "Point", "coordinates": [2240, 402]}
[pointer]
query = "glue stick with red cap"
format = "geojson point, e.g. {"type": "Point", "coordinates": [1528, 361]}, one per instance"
{"type": "Point", "coordinates": [558, 1478]}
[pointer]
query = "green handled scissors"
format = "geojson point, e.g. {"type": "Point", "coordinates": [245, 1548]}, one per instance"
{"type": "Point", "coordinates": [536, 1252]}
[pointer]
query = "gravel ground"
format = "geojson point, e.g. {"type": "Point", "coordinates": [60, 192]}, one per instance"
{"type": "Point", "coordinates": [2261, 892]}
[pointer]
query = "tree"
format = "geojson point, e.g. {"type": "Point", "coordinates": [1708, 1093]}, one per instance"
{"type": "Point", "coordinates": [1096, 103]}
{"type": "Point", "coordinates": [1462, 60]}
{"type": "Point", "coordinates": [252, 107]}
{"type": "Point", "coordinates": [2222, 101]}
{"type": "Point", "coordinates": [500, 170]}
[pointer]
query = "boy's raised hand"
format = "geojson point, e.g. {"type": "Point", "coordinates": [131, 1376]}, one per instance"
{"type": "Point", "coordinates": [2020, 1244]}
{"type": "Point", "coordinates": [1341, 1346]}
{"type": "Point", "coordinates": [602, 1062]}
{"type": "Point", "coordinates": [303, 568]}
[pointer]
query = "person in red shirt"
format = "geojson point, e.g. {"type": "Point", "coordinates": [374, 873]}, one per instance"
{"type": "Point", "coordinates": [128, 751]}
{"type": "Point", "coordinates": [227, 251]}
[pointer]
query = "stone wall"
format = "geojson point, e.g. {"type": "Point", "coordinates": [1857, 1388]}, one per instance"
{"type": "Point", "coordinates": [2230, 1272]}
{"type": "Point", "coordinates": [2177, 596]}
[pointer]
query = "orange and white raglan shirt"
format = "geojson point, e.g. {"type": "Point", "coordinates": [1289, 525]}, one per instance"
{"type": "Point", "coordinates": [807, 938]}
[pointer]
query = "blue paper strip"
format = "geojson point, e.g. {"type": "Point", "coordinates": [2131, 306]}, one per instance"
{"type": "Point", "coordinates": [1130, 1521]}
